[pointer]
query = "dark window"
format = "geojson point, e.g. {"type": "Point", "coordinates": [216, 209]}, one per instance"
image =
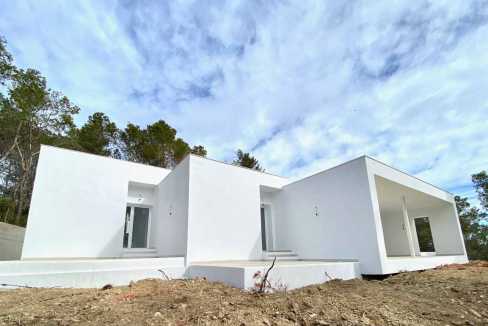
{"type": "Point", "coordinates": [424, 234]}
{"type": "Point", "coordinates": [139, 227]}
{"type": "Point", "coordinates": [126, 233]}
{"type": "Point", "coordinates": [263, 229]}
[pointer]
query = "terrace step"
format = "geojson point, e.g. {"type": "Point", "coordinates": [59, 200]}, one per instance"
{"type": "Point", "coordinates": [140, 252]}
{"type": "Point", "coordinates": [280, 255]}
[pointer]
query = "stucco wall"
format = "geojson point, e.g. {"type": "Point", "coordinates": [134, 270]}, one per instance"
{"type": "Point", "coordinates": [344, 227]}
{"type": "Point", "coordinates": [78, 204]}
{"type": "Point", "coordinates": [396, 242]}
{"type": "Point", "coordinates": [444, 228]}
{"type": "Point", "coordinates": [11, 239]}
{"type": "Point", "coordinates": [170, 224]}
{"type": "Point", "coordinates": [446, 232]}
{"type": "Point", "coordinates": [141, 194]}
{"type": "Point", "coordinates": [224, 210]}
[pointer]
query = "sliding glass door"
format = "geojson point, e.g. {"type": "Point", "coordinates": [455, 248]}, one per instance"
{"type": "Point", "coordinates": [136, 228]}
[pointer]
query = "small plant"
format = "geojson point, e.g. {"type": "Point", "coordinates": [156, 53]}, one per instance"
{"type": "Point", "coordinates": [262, 284]}
{"type": "Point", "coordinates": [164, 275]}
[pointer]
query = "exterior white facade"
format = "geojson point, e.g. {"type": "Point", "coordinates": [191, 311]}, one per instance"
{"type": "Point", "coordinates": [78, 204]}
{"type": "Point", "coordinates": [207, 212]}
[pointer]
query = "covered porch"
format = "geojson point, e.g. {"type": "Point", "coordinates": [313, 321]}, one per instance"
{"type": "Point", "coordinates": [420, 230]}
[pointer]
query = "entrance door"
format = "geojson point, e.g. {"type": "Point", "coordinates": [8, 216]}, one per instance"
{"type": "Point", "coordinates": [266, 228]}
{"type": "Point", "coordinates": [136, 227]}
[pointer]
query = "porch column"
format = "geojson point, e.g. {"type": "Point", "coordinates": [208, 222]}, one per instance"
{"type": "Point", "coordinates": [406, 225]}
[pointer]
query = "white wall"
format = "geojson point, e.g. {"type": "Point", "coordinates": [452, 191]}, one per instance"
{"type": "Point", "coordinates": [390, 204]}
{"type": "Point", "coordinates": [285, 274]}
{"type": "Point", "coordinates": [141, 194]}
{"type": "Point", "coordinates": [224, 210]}
{"type": "Point", "coordinates": [267, 196]}
{"type": "Point", "coordinates": [345, 227]}
{"type": "Point", "coordinates": [11, 239]}
{"type": "Point", "coordinates": [78, 204]}
{"type": "Point", "coordinates": [402, 264]}
{"type": "Point", "coordinates": [396, 241]}
{"type": "Point", "coordinates": [444, 228]}
{"type": "Point", "coordinates": [170, 224]}
{"type": "Point", "coordinates": [446, 231]}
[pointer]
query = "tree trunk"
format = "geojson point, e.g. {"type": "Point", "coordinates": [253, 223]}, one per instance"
{"type": "Point", "coordinates": [20, 204]}
{"type": "Point", "coordinates": [14, 143]}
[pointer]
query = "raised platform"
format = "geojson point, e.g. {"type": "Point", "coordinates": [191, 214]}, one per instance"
{"type": "Point", "coordinates": [286, 273]}
{"type": "Point", "coordinates": [87, 273]}
{"type": "Point", "coordinates": [408, 263]}
{"type": "Point", "coordinates": [92, 273]}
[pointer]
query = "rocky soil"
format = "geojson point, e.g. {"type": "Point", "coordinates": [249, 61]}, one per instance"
{"type": "Point", "coordinates": [451, 295]}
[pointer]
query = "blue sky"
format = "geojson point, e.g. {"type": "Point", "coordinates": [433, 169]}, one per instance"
{"type": "Point", "coordinates": [304, 85]}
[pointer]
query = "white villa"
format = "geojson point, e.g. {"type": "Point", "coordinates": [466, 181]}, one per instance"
{"type": "Point", "coordinates": [95, 220]}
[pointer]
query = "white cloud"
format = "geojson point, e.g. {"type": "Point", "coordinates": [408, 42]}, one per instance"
{"type": "Point", "coordinates": [305, 85]}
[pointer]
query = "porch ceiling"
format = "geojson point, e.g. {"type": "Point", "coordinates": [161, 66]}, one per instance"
{"type": "Point", "coordinates": [268, 188]}
{"type": "Point", "coordinates": [390, 194]}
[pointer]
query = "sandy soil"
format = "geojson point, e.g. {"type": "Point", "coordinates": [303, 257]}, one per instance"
{"type": "Point", "coordinates": [452, 295]}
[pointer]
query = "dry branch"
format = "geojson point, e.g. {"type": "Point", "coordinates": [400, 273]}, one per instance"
{"type": "Point", "coordinates": [164, 274]}
{"type": "Point", "coordinates": [262, 286]}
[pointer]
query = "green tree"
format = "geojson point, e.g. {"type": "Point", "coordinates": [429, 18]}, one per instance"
{"type": "Point", "coordinates": [98, 135]}
{"type": "Point", "coordinates": [30, 114]}
{"type": "Point", "coordinates": [474, 225]}
{"type": "Point", "coordinates": [246, 160]}
{"type": "Point", "coordinates": [480, 181]}
{"type": "Point", "coordinates": [6, 62]}
{"type": "Point", "coordinates": [179, 151]}
{"type": "Point", "coordinates": [132, 140]}
{"type": "Point", "coordinates": [199, 150]}
{"type": "Point", "coordinates": [153, 145]}
{"type": "Point", "coordinates": [156, 145]}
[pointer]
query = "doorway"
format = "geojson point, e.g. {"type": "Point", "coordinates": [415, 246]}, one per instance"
{"type": "Point", "coordinates": [267, 241]}
{"type": "Point", "coordinates": [136, 227]}
{"type": "Point", "coordinates": [424, 235]}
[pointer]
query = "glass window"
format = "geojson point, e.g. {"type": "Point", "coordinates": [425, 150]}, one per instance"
{"type": "Point", "coordinates": [139, 227]}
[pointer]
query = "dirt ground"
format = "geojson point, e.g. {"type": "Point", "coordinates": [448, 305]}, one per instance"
{"type": "Point", "coordinates": [451, 295]}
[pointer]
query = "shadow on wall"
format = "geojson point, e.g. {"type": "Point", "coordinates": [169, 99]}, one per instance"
{"type": "Point", "coordinates": [114, 245]}
{"type": "Point", "coordinates": [11, 241]}
{"type": "Point", "coordinates": [256, 252]}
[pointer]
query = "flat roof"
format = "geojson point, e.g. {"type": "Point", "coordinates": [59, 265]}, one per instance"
{"type": "Point", "coordinates": [243, 167]}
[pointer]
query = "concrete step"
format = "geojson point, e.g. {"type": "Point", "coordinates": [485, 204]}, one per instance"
{"type": "Point", "coordinates": [280, 255]}
{"type": "Point", "coordinates": [140, 252]}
